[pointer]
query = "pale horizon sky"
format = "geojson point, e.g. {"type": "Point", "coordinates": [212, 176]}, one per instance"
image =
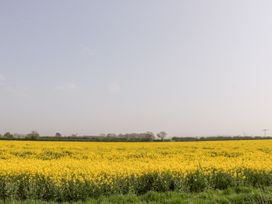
{"type": "Point", "coordinates": [190, 68]}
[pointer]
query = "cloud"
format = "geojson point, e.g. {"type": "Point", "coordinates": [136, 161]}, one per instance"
{"type": "Point", "coordinates": [66, 87]}
{"type": "Point", "coordinates": [114, 88]}
{"type": "Point", "coordinates": [87, 50]}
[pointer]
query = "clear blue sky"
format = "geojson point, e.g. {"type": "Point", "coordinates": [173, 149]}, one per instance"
{"type": "Point", "coordinates": [88, 67]}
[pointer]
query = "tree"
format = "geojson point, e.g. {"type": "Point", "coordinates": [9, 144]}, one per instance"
{"type": "Point", "coordinates": [150, 135]}
{"type": "Point", "coordinates": [33, 135]}
{"type": "Point", "coordinates": [8, 135]}
{"type": "Point", "coordinates": [111, 135]}
{"type": "Point", "coordinates": [161, 135]}
{"type": "Point", "coordinates": [58, 134]}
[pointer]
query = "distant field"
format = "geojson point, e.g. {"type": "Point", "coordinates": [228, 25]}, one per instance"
{"type": "Point", "coordinates": [65, 171]}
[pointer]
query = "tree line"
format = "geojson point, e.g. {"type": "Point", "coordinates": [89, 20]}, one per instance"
{"type": "Point", "coordinates": [129, 137]}
{"type": "Point", "coordinates": [34, 135]}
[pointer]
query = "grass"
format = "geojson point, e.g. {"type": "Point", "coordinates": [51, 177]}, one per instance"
{"type": "Point", "coordinates": [237, 195]}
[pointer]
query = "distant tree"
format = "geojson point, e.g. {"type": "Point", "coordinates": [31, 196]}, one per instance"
{"type": "Point", "coordinates": [74, 135]}
{"type": "Point", "coordinates": [33, 135]}
{"type": "Point", "coordinates": [111, 135]}
{"type": "Point", "coordinates": [8, 135]}
{"type": "Point", "coordinates": [58, 134]}
{"type": "Point", "coordinates": [161, 135]}
{"type": "Point", "coordinates": [150, 135]}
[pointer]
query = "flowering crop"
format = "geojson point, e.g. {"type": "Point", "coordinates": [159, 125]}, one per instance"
{"type": "Point", "coordinates": [78, 170]}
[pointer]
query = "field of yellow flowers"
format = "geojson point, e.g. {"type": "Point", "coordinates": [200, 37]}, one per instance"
{"type": "Point", "coordinates": [79, 170]}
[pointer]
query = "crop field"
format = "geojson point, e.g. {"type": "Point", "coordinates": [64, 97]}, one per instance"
{"type": "Point", "coordinates": [65, 171]}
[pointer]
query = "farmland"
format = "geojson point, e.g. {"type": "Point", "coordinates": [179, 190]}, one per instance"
{"type": "Point", "coordinates": [66, 171]}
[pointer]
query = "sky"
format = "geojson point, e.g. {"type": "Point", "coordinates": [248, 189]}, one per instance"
{"type": "Point", "coordinates": [190, 68]}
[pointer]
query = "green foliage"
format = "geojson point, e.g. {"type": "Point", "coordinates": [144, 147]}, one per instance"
{"type": "Point", "coordinates": [38, 187]}
{"type": "Point", "coordinates": [33, 135]}
{"type": "Point", "coordinates": [221, 180]}
{"type": "Point", "coordinates": [156, 182]}
{"type": "Point", "coordinates": [8, 135]}
{"type": "Point", "coordinates": [257, 178]}
{"type": "Point", "coordinates": [196, 181]}
{"type": "Point", "coordinates": [245, 195]}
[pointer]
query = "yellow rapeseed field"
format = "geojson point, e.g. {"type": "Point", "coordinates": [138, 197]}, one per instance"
{"type": "Point", "coordinates": [101, 162]}
{"type": "Point", "coordinates": [65, 171]}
